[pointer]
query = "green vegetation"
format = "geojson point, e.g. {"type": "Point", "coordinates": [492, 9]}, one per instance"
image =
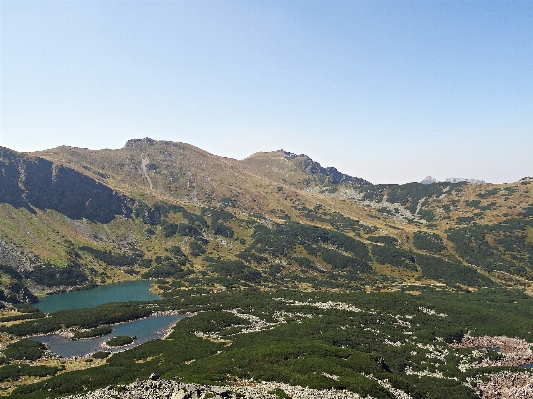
{"type": "Point", "coordinates": [528, 212]}
{"type": "Point", "coordinates": [25, 349]}
{"type": "Point", "coordinates": [280, 393]}
{"type": "Point", "coordinates": [312, 339]}
{"type": "Point", "coordinates": [339, 261]}
{"type": "Point", "coordinates": [94, 332]}
{"type": "Point", "coordinates": [169, 229]}
{"type": "Point", "coordinates": [54, 276]}
{"type": "Point", "coordinates": [512, 251]}
{"type": "Point", "coordinates": [220, 229]}
{"type": "Point", "coordinates": [451, 272]}
{"type": "Point", "coordinates": [196, 249]}
{"type": "Point", "coordinates": [386, 254]}
{"type": "Point", "coordinates": [110, 313]}
{"type": "Point", "coordinates": [336, 219]}
{"type": "Point", "coordinates": [250, 257]}
{"type": "Point", "coordinates": [25, 316]}
{"type": "Point", "coordinates": [407, 195]}
{"type": "Point", "coordinates": [13, 372]}
{"type": "Point", "coordinates": [165, 270]}
{"type": "Point", "coordinates": [428, 242]}
{"type": "Point", "coordinates": [121, 340]}
{"type": "Point", "coordinates": [217, 226]}
{"type": "Point", "coordinates": [388, 240]}
{"type": "Point", "coordinates": [101, 355]}
{"type": "Point", "coordinates": [234, 269]}
{"type": "Point", "coordinates": [277, 277]}
{"type": "Point", "coordinates": [283, 239]}
{"type": "Point", "coordinates": [489, 193]}
{"type": "Point", "coordinates": [176, 252]}
{"type": "Point", "coordinates": [114, 259]}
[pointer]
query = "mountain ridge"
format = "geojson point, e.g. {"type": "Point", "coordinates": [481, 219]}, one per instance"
{"type": "Point", "coordinates": [124, 209]}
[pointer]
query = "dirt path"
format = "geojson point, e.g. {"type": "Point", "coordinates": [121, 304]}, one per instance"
{"type": "Point", "coordinates": [145, 161]}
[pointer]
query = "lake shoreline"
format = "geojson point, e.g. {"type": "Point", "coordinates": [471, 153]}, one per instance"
{"type": "Point", "coordinates": [157, 333]}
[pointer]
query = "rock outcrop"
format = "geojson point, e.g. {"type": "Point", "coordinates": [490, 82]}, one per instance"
{"type": "Point", "coordinates": [328, 175]}
{"type": "Point", "coordinates": [16, 257]}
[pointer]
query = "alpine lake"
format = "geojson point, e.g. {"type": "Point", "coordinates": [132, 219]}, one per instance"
{"type": "Point", "coordinates": [143, 330]}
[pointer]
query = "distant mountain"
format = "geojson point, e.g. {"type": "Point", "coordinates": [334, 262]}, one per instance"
{"type": "Point", "coordinates": [429, 180]}
{"type": "Point", "coordinates": [461, 179]}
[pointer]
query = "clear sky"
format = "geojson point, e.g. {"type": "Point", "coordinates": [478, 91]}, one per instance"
{"type": "Point", "coordinates": [391, 91]}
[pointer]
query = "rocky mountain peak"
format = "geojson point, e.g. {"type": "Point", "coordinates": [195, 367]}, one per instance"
{"type": "Point", "coordinates": [292, 155]}
{"type": "Point", "coordinates": [135, 143]}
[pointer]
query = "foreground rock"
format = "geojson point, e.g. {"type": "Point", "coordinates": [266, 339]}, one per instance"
{"type": "Point", "coordinates": [507, 385]}
{"type": "Point", "coordinates": [514, 351]}
{"type": "Point", "coordinates": [155, 388]}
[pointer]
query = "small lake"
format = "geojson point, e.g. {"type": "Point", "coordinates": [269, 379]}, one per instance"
{"type": "Point", "coordinates": [145, 330]}
{"type": "Point", "coordinates": [138, 290]}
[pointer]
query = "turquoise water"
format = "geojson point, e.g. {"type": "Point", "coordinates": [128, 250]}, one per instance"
{"type": "Point", "coordinates": [126, 291]}
{"type": "Point", "coordinates": [145, 330]}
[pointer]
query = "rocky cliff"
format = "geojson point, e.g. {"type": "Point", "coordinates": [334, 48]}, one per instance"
{"type": "Point", "coordinates": [36, 182]}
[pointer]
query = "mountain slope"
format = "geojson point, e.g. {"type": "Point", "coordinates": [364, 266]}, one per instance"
{"type": "Point", "coordinates": [154, 170]}
{"type": "Point", "coordinates": [76, 217]}
{"type": "Point", "coordinates": [35, 182]}
{"type": "Point", "coordinates": [294, 272]}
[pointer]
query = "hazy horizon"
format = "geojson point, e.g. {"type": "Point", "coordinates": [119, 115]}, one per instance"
{"type": "Point", "coordinates": [387, 91]}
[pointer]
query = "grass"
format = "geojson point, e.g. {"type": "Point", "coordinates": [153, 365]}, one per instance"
{"type": "Point", "coordinates": [529, 234]}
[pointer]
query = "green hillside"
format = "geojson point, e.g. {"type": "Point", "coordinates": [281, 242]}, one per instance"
{"type": "Point", "coordinates": [244, 234]}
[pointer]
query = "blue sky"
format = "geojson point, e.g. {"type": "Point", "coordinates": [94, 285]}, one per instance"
{"type": "Point", "coordinates": [391, 91]}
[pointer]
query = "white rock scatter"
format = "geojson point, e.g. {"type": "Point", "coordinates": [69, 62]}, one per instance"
{"type": "Point", "coordinates": [322, 305]}
{"type": "Point", "coordinates": [431, 312]}
{"type": "Point", "coordinates": [166, 389]}
{"type": "Point", "coordinates": [513, 351]}
{"type": "Point", "coordinates": [507, 385]}
{"type": "Point", "coordinates": [398, 393]}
